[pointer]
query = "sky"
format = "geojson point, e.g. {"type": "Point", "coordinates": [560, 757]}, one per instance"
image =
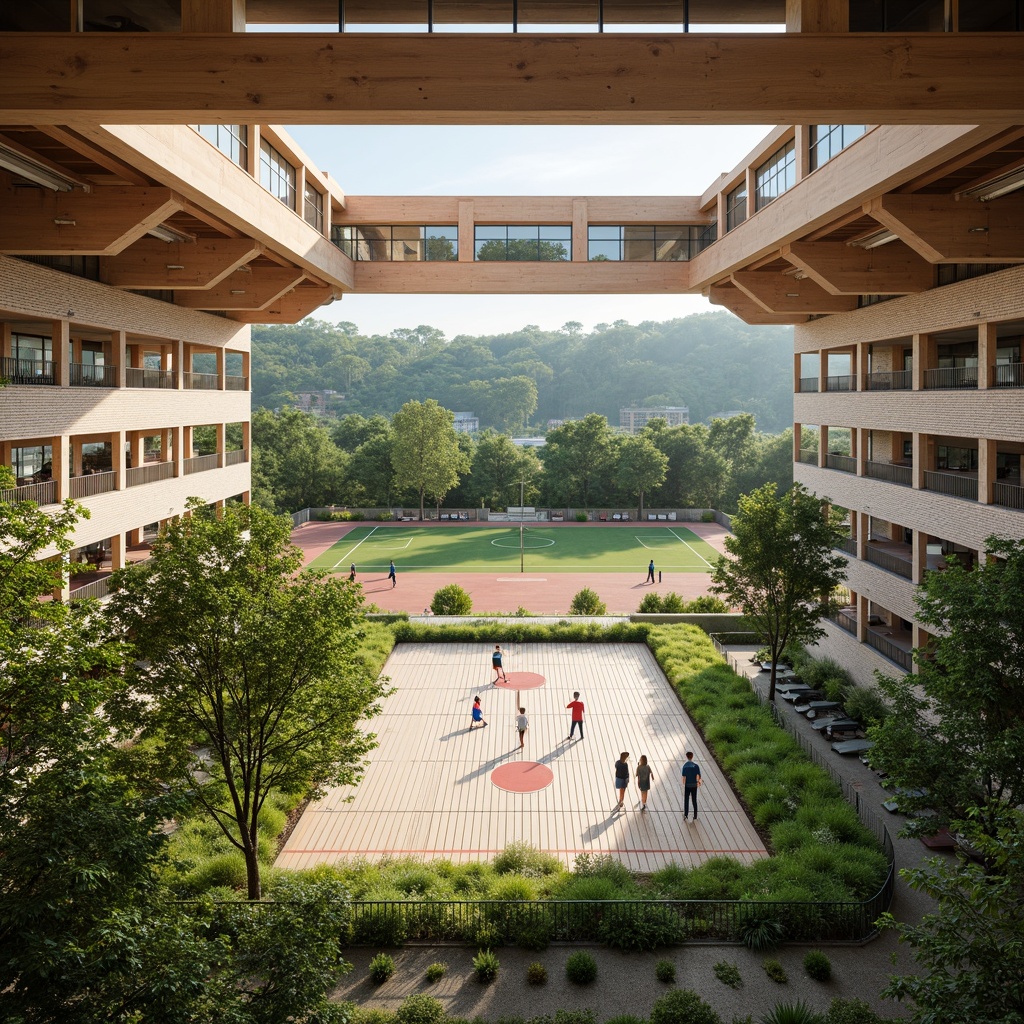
{"type": "Point", "coordinates": [578, 160]}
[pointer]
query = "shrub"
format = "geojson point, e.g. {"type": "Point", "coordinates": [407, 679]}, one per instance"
{"type": "Point", "coordinates": [581, 517]}
{"type": "Point", "coordinates": [761, 933]}
{"type": "Point", "coordinates": [523, 859]}
{"type": "Point", "coordinates": [817, 965]}
{"type": "Point", "coordinates": [533, 935]}
{"type": "Point", "coordinates": [665, 971]}
{"type": "Point", "coordinates": [706, 605]}
{"type": "Point", "coordinates": [681, 1006]}
{"type": "Point", "coordinates": [651, 603]}
{"type": "Point", "coordinates": [574, 1017]}
{"type": "Point", "coordinates": [641, 928]}
{"type": "Point", "coordinates": [537, 973]}
{"type": "Point", "coordinates": [867, 705]}
{"type": "Point", "coordinates": [707, 517]}
{"type": "Point", "coordinates": [371, 1015]}
{"type": "Point", "coordinates": [419, 1009]}
{"type": "Point", "coordinates": [775, 971]}
{"type": "Point", "coordinates": [791, 1013]}
{"type": "Point", "coordinates": [451, 600]}
{"type": "Point", "coordinates": [436, 971]}
{"type": "Point", "coordinates": [382, 967]}
{"type": "Point", "coordinates": [850, 1011]}
{"type": "Point", "coordinates": [587, 602]}
{"type": "Point", "coordinates": [581, 968]}
{"type": "Point", "coordinates": [383, 517]}
{"type": "Point", "coordinates": [728, 974]}
{"type": "Point", "coordinates": [625, 1018]}
{"type": "Point", "coordinates": [486, 966]}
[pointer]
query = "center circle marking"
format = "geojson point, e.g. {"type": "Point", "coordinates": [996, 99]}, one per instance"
{"type": "Point", "coordinates": [522, 777]}
{"type": "Point", "coordinates": [539, 542]}
{"type": "Point", "coordinates": [521, 681]}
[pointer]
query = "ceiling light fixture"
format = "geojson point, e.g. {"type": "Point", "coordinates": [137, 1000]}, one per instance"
{"type": "Point", "coordinates": [977, 230]}
{"type": "Point", "coordinates": [169, 234]}
{"type": "Point", "coordinates": [995, 187]}
{"type": "Point", "coordinates": [175, 266]}
{"type": "Point", "coordinates": [65, 220]}
{"type": "Point", "coordinates": [237, 291]}
{"type": "Point", "coordinates": [39, 174]}
{"type": "Point", "coordinates": [875, 239]}
{"type": "Point", "coordinates": [792, 295]}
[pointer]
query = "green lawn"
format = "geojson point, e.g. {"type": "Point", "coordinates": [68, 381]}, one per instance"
{"type": "Point", "coordinates": [619, 548]}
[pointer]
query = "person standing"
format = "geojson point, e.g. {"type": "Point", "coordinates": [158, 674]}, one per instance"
{"type": "Point", "coordinates": [576, 707]}
{"type": "Point", "coordinates": [621, 778]}
{"type": "Point", "coordinates": [352, 573]}
{"type": "Point", "coordinates": [644, 774]}
{"type": "Point", "coordinates": [691, 782]}
{"type": "Point", "coordinates": [650, 572]}
{"type": "Point", "coordinates": [392, 576]}
{"type": "Point", "coordinates": [499, 672]}
{"type": "Point", "coordinates": [477, 718]}
{"type": "Point", "coordinates": [522, 724]}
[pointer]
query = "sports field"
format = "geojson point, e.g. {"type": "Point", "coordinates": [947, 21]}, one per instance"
{"type": "Point", "coordinates": [547, 549]}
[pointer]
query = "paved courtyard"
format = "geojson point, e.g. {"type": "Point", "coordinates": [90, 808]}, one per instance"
{"type": "Point", "coordinates": [428, 791]}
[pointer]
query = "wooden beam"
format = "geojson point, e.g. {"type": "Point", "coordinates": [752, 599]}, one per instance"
{"type": "Point", "coordinates": [743, 306]}
{"type": "Point", "coordinates": [151, 263]}
{"type": "Point", "coordinates": [252, 288]}
{"type": "Point", "coordinates": [332, 78]}
{"type": "Point", "coordinates": [212, 15]}
{"type": "Point", "coordinates": [843, 269]}
{"type": "Point", "coordinates": [947, 230]}
{"type": "Point", "coordinates": [782, 293]}
{"type": "Point", "coordinates": [97, 223]}
{"type": "Point", "coordinates": [291, 307]}
{"type": "Point", "coordinates": [85, 148]}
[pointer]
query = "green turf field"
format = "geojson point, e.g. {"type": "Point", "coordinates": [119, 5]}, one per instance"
{"type": "Point", "coordinates": [619, 548]}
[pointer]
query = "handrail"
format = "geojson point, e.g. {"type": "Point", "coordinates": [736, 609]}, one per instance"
{"type": "Point", "coordinates": [150, 473]}
{"type": "Point", "coordinates": [951, 377]}
{"type": "Point", "coordinates": [200, 381]}
{"type": "Point", "coordinates": [894, 474]}
{"type": "Point", "coordinates": [890, 562]}
{"type": "Point", "coordinates": [841, 382]}
{"type": "Point", "coordinates": [1008, 495]}
{"type": "Point", "coordinates": [27, 371]}
{"type": "Point", "coordinates": [43, 493]}
{"type": "Point", "coordinates": [843, 463]}
{"type": "Point", "coordinates": [808, 457]}
{"type": "Point", "coordinates": [886, 647]}
{"type": "Point", "coordinates": [808, 385]}
{"type": "Point", "coordinates": [92, 375]}
{"type": "Point", "coordinates": [142, 377]}
{"type": "Point", "coordinates": [890, 380]}
{"type": "Point", "coordinates": [200, 463]}
{"type": "Point", "coordinates": [93, 483]}
{"type": "Point", "coordinates": [959, 485]}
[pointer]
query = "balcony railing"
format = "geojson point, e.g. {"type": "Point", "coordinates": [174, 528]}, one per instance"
{"type": "Point", "coordinates": [808, 384]}
{"type": "Point", "coordinates": [1008, 375]}
{"type": "Point", "coordinates": [890, 380]}
{"type": "Point", "coordinates": [959, 485]}
{"type": "Point", "coordinates": [44, 493]}
{"type": "Point", "coordinates": [97, 589]}
{"type": "Point", "coordinates": [91, 375]}
{"type": "Point", "coordinates": [93, 483]}
{"type": "Point", "coordinates": [150, 473]}
{"type": "Point", "coordinates": [847, 544]}
{"type": "Point", "coordinates": [885, 646]}
{"type": "Point", "coordinates": [27, 371]}
{"type": "Point", "coordinates": [890, 562]}
{"type": "Point", "coordinates": [236, 383]}
{"type": "Point", "coordinates": [843, 382]}
{"type": "Point", "coordinates": [846, 620]}
{"type": "Point", "coordinates": [889, 471]}
{"type": "Point", "coordinates": [1008, 495]}
{"type": "Point", "coordinates": [200, 464]}
{"type": "Point", "coordinates": [951, 377]}
{"type": "Point", "coordinates": [236, 457]}
{"type": "Point", "coordinates": [200, 381]}
{"type": "Point", "coordinates": [844, 463]}
{"type": "Point", "coordinates": [808, 457]}
{"type": "Point", "coordinates": [134, 377]}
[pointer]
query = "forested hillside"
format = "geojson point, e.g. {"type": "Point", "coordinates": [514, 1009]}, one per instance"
{"type": "Point", "coordinates": [711, 362]}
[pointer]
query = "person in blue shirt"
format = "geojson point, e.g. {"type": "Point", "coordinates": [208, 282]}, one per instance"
{"type": "Point", "coordinates": [650, 572]}
{"type": "Point", "coordinates": [691, 782]}
{"type": "Point", "coordinates": [477, 719]}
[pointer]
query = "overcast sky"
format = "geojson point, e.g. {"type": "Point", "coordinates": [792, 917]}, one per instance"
{"type": "Point", "coordinates": [527, 160]}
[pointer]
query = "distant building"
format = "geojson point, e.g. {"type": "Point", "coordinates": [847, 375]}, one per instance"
{"type": "Point", "coordinates": [529, 442]}
{"type": "Point", "coordinates": [633, 420]}
{"type": "Point", "coordinates": [466, 423]}
{"type": "Point", "coordinates": [554, 424]}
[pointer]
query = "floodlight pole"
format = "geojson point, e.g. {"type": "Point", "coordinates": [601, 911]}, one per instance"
{"type": "Point", "coordinates": [522, 554]}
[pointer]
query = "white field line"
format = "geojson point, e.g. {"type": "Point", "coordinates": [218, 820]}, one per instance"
{"type": "Point", "coordinates": [692, 548]}
{"type": "Point", "coordinates": [348, 555]}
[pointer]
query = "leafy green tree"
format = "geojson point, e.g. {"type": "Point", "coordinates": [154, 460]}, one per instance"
{"type": "Point", "coordinates": [372, 470]}
{"type": "Point", "coordinates": [577, 454]}
{"type": "Point", "coordinates": [587, 602]}
{"type": "Point", "coordinates": [512, 401]}
{"type": "Point", "coordinates": [696, 475]}
{"type": "Point", "coordinates": [783, 568]}
{"type": "Point", "coordinates": [426, 454]}
{"type": "Point", "coordinates": [954, 737]}
{"type": "Point", "coordinates": [498, 468]}
{"type": "Point", "coordinates": [641, 467]}
{"type": "Point", "coordinates": [240, 652]}
{"type": "Point", "coordinates": [522, 250]}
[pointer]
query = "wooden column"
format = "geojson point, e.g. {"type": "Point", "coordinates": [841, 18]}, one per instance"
{"type": "Point", "coordinates": [178, 364]}
{"type": "Point", "coordinates": [121, 356]}
{"type": "Point", "coordinates": [920, 451]}
{"type": "Point", "coordinates": [221, 371]}
{"type": "Point", "coordinates": [212, 15]}
{"type": "Point", "coordinates": [117, 547]}
{"type": "Point", "coordinates": [802, 148]}
{"type": "Point", "coordinates": [60, 466]}
{"type": "Point", "coordinates": [822, 371]}
{"type": "Point", "coordinates": [986, 469]}
{"type": "Point", "coordinates": [466, 239]}
{"type": "Point", "coordinates": [797, 434]}
{"type": "Point", "coordinates": [860, 447]}
{"type": "Point", "coordinates": [822, 445]}
{"type": "Point", "coordinates": [119, 459]}
{"type": "Point", "coordinates": [919, 548]}
{"type": "Point", "coordinates": [987, 344]}
{"type": "Point", "coordinates": [580, 248]}
{"type": "Point", "coordinates": [818, 15]}
{"type": "Point", "coordinates": [919, 350]}
{"type": "Point", "coordinates": [247, 439]}
{"type": "Point", "coordinates": [862, 617]}
{"type": "Point", "coordinates": [221, 442]}
{"type": "Point", "coordinates": [60, 341]}
{"type": "Point", "coordinates": [6, 341]}
{"type": "Point", "coordinates": [863, 532]}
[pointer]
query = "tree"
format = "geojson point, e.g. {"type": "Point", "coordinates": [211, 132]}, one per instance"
{"type": "Point", "coordinates": [522, 250]}
{"type": "Point", "coordinates": [512, 401]}
{"type": "Point", "coordinates": [783, 568]}
{"type": "Point", "coordinates": [372, 469]}
{"type": "Point", "coordinates": [498, 468]}
{"type": "Point", "coordinates": [641, 467]}
{"type": "Point", "coordinates": [576, 453]}
{"type": "Point", "coordinates": [426, 454]}
{"type": "Point", "coordinates": [954, 738]}
{"type": "Point", "coordinates": [696, 475]}
{"type": "Point", "coordinates": [255, 664]}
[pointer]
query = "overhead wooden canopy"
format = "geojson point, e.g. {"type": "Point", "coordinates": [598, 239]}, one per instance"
{"type": "Point", "coordinates": [331, 78]}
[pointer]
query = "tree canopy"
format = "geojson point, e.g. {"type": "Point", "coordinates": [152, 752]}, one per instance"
{"type": "Point", "coordinates": [426, 453]}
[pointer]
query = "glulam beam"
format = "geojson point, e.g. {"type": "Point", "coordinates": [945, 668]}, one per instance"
{"type": "Point", "coordinates": [291, 307]}
{"type": "Point", "coordinates": [152, 263]}
{"type": "Point", "coordinates": [743, 306]}
{"type": "Point", "coordinates": [248, 289]}
{"type": "Point", "coordinates": [843, 269]}
{"type": "Point", "coordinates": [782, 293]}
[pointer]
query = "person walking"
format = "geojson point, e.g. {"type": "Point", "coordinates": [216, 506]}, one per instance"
{"type": "Point", "coordinates": [522, 724]}
{"type": "Point", "coordinates": [499, 672]}
{"type": "Point", "coordinates": [644, 774]}
{"type": "Point", "coordinates": [576, 707]}
{"type": "Point", "coordinates": [352, 573]}
{"type": "Point", "coordinates": [650, 572]}
{"type": "Point", "coordinates": [621, 778]}
{"type": "Point", "coordinates": [392, 576]}
{"type": "Point", "coordinates": [477, 719]}
{"type": "Point", "coordinates": [691, 783]}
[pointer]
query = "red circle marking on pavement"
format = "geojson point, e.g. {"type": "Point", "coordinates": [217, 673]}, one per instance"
{"type": "Point", "coordinates": [521, 681]}
{"type": "Point", "coordinates": [522, 777]}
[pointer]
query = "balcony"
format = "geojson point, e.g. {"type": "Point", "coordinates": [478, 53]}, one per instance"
{"type": "Point", "coordinates": [92, 375]}
{"type": "Point", "coordinates": [843, 382]}
{"type": "Point", "coordinates": [27, 371]}
{"type": "Point", "coordinates": [200, 381]}
{"type": "Point", "coordinates": [844, 463]}
{"type": "Point", "coordinates": [1008, 375]}
{"type": "Point", "coordinates": [808, 457]}
{"type": "Point", "coordinates": [92, 483]}
{"type": "Point", "coordinates": [847, 619]}
{"type": "Point", "coordinates": [951, 377]}
{"type": "Point", "coordinates": [847, 544]}
{"type": "Point", "coordinates": [233, 383]}
{"type": "Point", "coordinates": [200, 464]}
{"type": "Point", "coordinates": [150, 473]}
{"type": "Point", "coordinates": [894, 558]}
{"type": "Point", "coordinates": [44, 493]}
{"type": "Point", "coordinates": [134, 377]}
{"type": "Point", "coordinates": [1008, 495]}
{"type": "Point", "coordinates": [808, 384]}
{"type": "Point", "coordinates": [890, 472]}
{"type": "Point", "coordinates": [890, 380]}
{"type": "Point", "coordinates": [236, 457]}
{"type": "Point", "coordinates": [958, 485]}
{"type": "Point", "coordinates": [894, 645]}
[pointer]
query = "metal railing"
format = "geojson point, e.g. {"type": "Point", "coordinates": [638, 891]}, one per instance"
{"type": "Point", "coordinates": [846, 621]}
{"type": "Point", "coordinates": [93, 483]}
{"type": "Point", "coordinates": [847, 544]}
{"type": "Point", "coordinates": [959, 485]}
{"type": "Point", "coordinates": [91, 375]}
{"type": "Point", "coordinates": [200, 381]}
{"type": "Point", "coordinates": [808, 457]}
{"type": "Point", "coordinates": [236, 457]}
{"type": "Point", "coordinates": [844, 463]}
{"type": "Point", "coordinates": [1008, 375]}
{"type": "Point", "coordinates": [136, 377]}
{"type": "Point", "coordinates": [97, 589]}
{"type": "Point", "coordinates": [890, 380]}
{"type": "Point", "coordinates": [808, 384]}
{"type": "Point", "coordinates": [200, 464]}
{"type": "Point", "coordinates": [951, 377]}
{"type": "Point", "coordinates": [150, 473]}
{"type": "Point", "coordinates": [883, 645]}
{"type": "Point", "coordinates": [903, 475]}
{"type": "Point", "coordinates": [1008, 495]}
{"type": "Point", "coordinates": [27, 371]}
{"type": "Point", "coordinates": [44, 493]}
{"type": "Point", "coordinates": [841, 382]}
{"type": "Point", "coordinates": [233, 383]}
{"type": "Point", "coordinates": [891, 563]}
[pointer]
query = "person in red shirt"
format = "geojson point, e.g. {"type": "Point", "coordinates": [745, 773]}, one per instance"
{"type": "Point", "coordinates": [576, 706]}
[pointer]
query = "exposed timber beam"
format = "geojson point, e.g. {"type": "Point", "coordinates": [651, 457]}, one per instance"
{"type": "Point", "coordinates": [843, 269]}
{"type": "Point", "coordinates": [947, 230]}
{"type": "Point", "coordinates": [291, 307]}
{"type": "Point", "coordinates": [332, 78]}
{"type": "Point", "coordinates": [249, 288]}
{"type": "Point", "coordinates": [743, 306]}
{"type": "Point", "coordinates": [97, 223]}
{"type": "Point", "coordinates": [151, 263]}
{"type": "Point", "coordinates": [783, 293]}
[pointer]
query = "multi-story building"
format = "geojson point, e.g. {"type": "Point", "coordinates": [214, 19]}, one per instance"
{"type": "Point", "coordinates": [633, 420]}
{"type": "Point", "coordinates": [466, 423]}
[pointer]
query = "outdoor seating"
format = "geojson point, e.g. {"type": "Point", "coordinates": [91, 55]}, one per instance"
{"type": "Point", "coordinates": [804, 693]}
{"type": "Point", "coordinates": [840, 726]}
{"type": "Point", "coordinates": [851, 746]}
{"type": "Point", "coordinates": [815, 707]}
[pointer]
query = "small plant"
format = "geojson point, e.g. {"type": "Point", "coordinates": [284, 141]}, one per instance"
{"type": "Point", "coordinates": [728, 974]}
{"type": "Point", "coordinates": [665, 971]}
{"type": "Point", "coordinates": [681, 1006]}
{"type": "Point", "coordinates": [382, 967]}
{"type": "Point", "coordinates": [817, 965]}
{"type": "Point", "coordinates": [587, 602]}
{"type": "Point", "coordinates": [775, 971]}
{"type": "Point", "coordinates": [537, 973]}
{"type": "Point", "coordinates": [486, 966]}
{"type": "Point", "coordinates": [419, 1009]}
{"type": "Point", "coordinates": [791, 1013]}
{"type": "Point", "coordinates": [581, 968]}
{"type": "Point", "coordinates": [581, 517]}
{"type": "Point", "coordinates": [521, 613]}
{"type": "Point", "coordinates": [762, 934]}
{"type": "Point", "coordinates": [850, 1011]}
{"type": "Point", "coordinates": [707, 517]}
{"type": "Point", "coordinates": [706, 605]}
{"type": "Point", "coordinates": [436, 971]}
{"type": "Point", "coordinates": [451, 600]}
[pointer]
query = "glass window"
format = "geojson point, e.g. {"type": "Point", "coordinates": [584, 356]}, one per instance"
{"type": "Point", "coordinates": [523, 243]}
{"type": "Point", "coordinates": [32, 465]}
{"type": "Point", "coordinates": [231, 139]}
{"type": "Point", "coordinates": [829, 139]}
{"type": "Point", "coordinates": [898, 16]}
{"type": "Point", "coordinates": [31, 347]}
{"type": "Point", "coordinates": [644, 243]}
{"type": "Point", "coordinates": [736, 207]}
{"type": "Point", "coordinates": [313, 207]}
{"type": "Point", "coordinates": [775, 176]}
{"type": "Point", "coordinates": [992, 16]}
{"type": "Point", "coordinates": [277, 176]}
{"type": "Point", "coordinates": [397, 243]}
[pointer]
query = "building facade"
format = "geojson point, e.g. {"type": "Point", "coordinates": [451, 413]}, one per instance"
{"type": "Point", "coordinates": [633, 420]}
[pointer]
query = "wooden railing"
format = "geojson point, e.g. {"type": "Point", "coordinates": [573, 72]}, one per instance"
{"type": "Point", "coordinates": [844, 463]}
{"type": "Point", "coordinates": [232, 383]}
{"type": "Point", "coordinates": [885, 646]}
{"type": "Point", "coordinates": [959, 485]}
{"type": "Point", "coordinates": [894, 474]}
{"type": "Point", "coordinates": [44, 493]}
{"type": "Point", "coordinates": [808, 457]}
{"type": "Point", "coordinates": [847, 544]}
{"type": "Point", "coordinates": [96, 589]}
{"type": "Point", "coordinates": [200, 381]}
{"type": "Point", "coordinates": [236, 457]}
{"type": "Point", "coordinates": [93, 483]}
{"type": "Point", "coordinates": [200, 464]}
{"type": "Point", "coordinates": [150, 473]}
{"type": "Point", "coordinates": [846, 621]}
